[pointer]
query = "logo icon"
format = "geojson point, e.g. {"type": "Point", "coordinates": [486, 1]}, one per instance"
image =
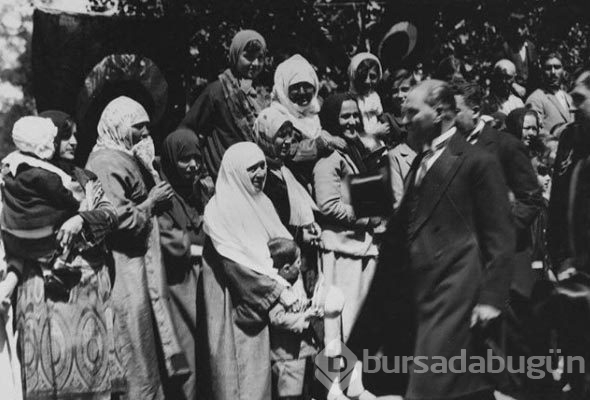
{"type": "Point", "coordinates": [335, 363]}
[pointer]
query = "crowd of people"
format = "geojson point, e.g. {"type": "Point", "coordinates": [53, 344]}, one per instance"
{"type": "Point", "coordinates": [222, 267]}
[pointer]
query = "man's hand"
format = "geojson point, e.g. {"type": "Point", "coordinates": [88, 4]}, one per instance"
{"type": "Point", "coordinates": [519, 90]}
{"type": "Point", "coordinates": [482, 314]}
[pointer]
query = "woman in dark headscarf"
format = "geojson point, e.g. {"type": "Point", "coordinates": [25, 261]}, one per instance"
{"type": "Point", "coordinates": [67, 323]}
{"type": "Point", "coordinates": [224, 113]}
{"type": "Point", "coordinates": [182, 238]}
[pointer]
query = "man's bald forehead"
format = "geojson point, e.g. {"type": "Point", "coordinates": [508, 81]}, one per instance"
{"type": "Point", "coordinates": [506, 65]}
{"type": "Point", "coordinates": [434, 92]}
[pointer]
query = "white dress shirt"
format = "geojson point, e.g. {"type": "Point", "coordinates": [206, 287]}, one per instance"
{"type": "Point", "coordinates": [439, 144]}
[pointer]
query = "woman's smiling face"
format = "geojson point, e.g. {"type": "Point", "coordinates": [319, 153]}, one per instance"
{"type": "Point", "coordinates": [283, 140]}
{"type": "Point", "coordinates": [250, 61]}
{"type": "Point", "coordinates": [301, 93]}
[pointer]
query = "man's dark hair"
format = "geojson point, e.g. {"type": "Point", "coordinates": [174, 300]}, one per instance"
{"type": "Point", "coordinates": [550, 55]}
{"type": "Point", "coordinates": [439, 92]}
{"type": "Point", "coordinates": [472, 93]}
{"type": "Point", "coordinates": [450, 69]}
{"type": "Point", "coordinates": [282, 251]}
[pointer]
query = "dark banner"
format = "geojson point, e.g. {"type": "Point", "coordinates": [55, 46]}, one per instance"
{"type": "Point", "coordinates": [82, 61]}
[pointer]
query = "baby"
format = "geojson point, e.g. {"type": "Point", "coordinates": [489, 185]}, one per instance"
{"type": "Point", "coordinates": [291, 338]}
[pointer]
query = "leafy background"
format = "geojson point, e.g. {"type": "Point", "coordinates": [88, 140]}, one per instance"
{"type": "Point", "coordinates": [325, 31]}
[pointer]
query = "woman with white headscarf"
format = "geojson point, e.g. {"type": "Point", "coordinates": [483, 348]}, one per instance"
{"type": "Point", "coordinates": [123, 160]}
{"type": "Point", "coordinates": [295, 98]}
{"type": "Point", "coordinates": [54, 222]}
{"type": "Point", "coordinates": [239, 282]}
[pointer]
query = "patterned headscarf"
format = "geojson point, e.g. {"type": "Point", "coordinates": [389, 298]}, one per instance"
{"type": "Point", "coordinates": [114, 127]}
{"type": "Point", "coordinates": [301, 204]}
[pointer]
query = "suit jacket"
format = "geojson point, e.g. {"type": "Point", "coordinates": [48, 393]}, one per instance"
{"type": "Point", "coordinates": [400, 161]}
{"type": "Point", "coordinates": [527, 73]}
{"type": "Point", "coordinates": [550, 110]}
{"type": "Point", "coordinates": [456, 239]}
{"type": "Point", "coordinates": [574, 145]}
{"type": "Point", "coordinates": [528, 198]}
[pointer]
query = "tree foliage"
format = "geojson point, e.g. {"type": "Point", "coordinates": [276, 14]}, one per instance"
{"type": "Point", "coordinates": [327, 32]}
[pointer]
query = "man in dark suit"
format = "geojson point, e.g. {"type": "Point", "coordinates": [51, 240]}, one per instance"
{"type": "Point", "coordinates": [574, 145]}
{"type": "Point", "coordinates": [526, 201]}
{"type": "Point", "coordinates": [522, 52]}
{"type": "Point", "coordinates": [525, 191]}
{"type": "Point", "coordinates": [456, 239]}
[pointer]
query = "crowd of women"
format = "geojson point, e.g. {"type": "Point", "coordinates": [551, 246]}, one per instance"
{"type": "Point", "coordinates": [133, 278]}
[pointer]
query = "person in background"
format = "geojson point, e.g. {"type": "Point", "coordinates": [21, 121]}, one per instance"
{"type": "Point", "coordinates": [224, 113]}
{"type": "Point", "coordinates": [551, 102]}
{"type": "Point", "coordinates": [394, 91]}
{"type": "Point", "coordinates": [295, 98]}
{"type": "Point", "coordinates": [10, 379]}
{"type": "Point", "coordinates": [518, 174]}
{"type": "Point", "coordinates": [401, 158]}
{"type": "Point", "coordinates": [123, 161]}
{"type": "Point", "coordinates": [522, 53]}
{"type": "Point", "coordinates": [501, 97]}
{"type": "Point", "coordinates": [291, 339]}
{"type": "Point", "coordinates": [277, 137]}
{"type": "Point", "coordinates": [450, 69]}
{"type": "Point", "coordinates": [399, 84]}
{"type": "Point", "coordinates": [64, 311]}
{"type": "Point", "coordinates": [349, 253]}
{"type": "Point", "coordinates": [574, 145]}
{"type": "Point", "coordinates": [240, 285]}
{"type": "Point", "coordinates": [365, 73]}
{"type": "Point", "coordinates": [182, 239]}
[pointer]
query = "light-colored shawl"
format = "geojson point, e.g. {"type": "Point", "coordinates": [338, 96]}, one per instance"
{"type": "Point", "coordinates": [239, 220]}
{"type": "Point", "coordinates": [292, 71]}
{"type": "Point", "coordinates": [301, 204]}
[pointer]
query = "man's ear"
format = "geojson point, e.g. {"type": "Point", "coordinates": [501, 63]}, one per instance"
{"type": "Point", "coordinates": [476, 111]}
{"type": "Point", "coordinates": [439, 109]}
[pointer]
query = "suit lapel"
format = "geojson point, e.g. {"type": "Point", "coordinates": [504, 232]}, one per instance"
{"type": "Point", "coordinates": [437, 180]}
{"type": "Point", "coordinates": [557, 104]}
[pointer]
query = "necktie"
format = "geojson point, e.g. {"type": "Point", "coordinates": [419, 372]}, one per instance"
{"type": "Point", "coordinates": [423, 168]}
{"type": "Point", "coordinates": [427, 155]}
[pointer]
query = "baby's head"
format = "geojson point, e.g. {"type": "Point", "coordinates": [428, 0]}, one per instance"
{"type": "Point", "coordinates": [286, 258]}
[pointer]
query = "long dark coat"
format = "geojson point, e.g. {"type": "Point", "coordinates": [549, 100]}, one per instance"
{"type": "Point", "coordinates": [528, 199]}
{"type": "Point", "coordinates": [454, 239]}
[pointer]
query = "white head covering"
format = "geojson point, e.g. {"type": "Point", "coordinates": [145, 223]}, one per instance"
{"type": "Point", "coordinates": [114, 127]}
{"type": "Point", "coordinates": [291, 71]}
{"type": "Point", "coordinates": [370, 103]}
{"type": "Point", "coordinates": [35, 135]}
{"type": "Point", "coordinates": [301, 204]}
{"type": "Point", "coordinates": [239, 220]}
